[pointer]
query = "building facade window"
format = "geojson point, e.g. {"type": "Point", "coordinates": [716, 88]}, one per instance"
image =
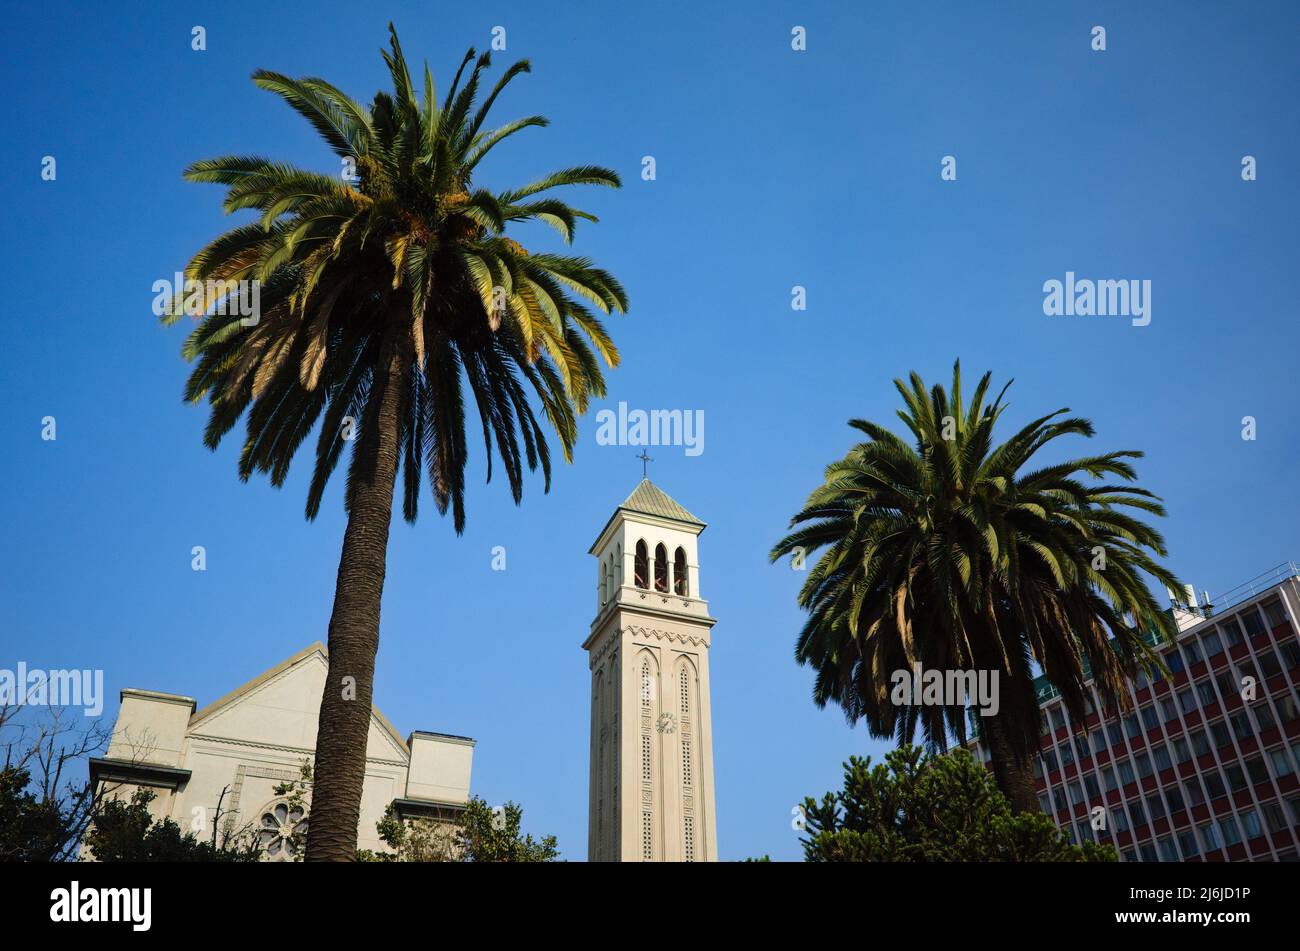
{"type": "Point", "coordinates": [1274, 613]}
{"type": "Point", "coordinates": [1200, 743]}
{"type": "Point", "coordinates": [1269, 663]}
{"type": "Point", "coordinates": [1163, 761]}
{"type": "Point", "coordinates": [1150, 718]}
{"type": "Point", "coordinates": [1252, 622]}
{"type": "Point", "coordinates": [1108, 776]}
{"type": "Point", "coordinates": [1274, 817]}
{"type": "Point", "coordinates": [1291, 655]}
{"type": "Point", "coordinates": [1205, 690]}
{"type": "Point", "coordinates": [1174, 795]}
{"type": "Point", "coordinates": [1214, 787]}
{"type": "Point", "coordinates": [1131, 727]}
{"type": "Point", "coordinates": [1250, 823]}
{"type": "Point", "coordinates": [1209, 837]}
{"type": "Point", "coordinates": [661, 567]}
{"type": "Point", "coordinates": [1144, 765]}
{"type": "Point", "coordinates": [1155, 806]}
{"type": "Point", "coordinates": [641, 567]}
{"type": "Point", "coordinates": [282, 828]}
{"type": "Point", "coordinates": [1229, 831]}
{"type": "Point", "coordinates": [1256, 770]}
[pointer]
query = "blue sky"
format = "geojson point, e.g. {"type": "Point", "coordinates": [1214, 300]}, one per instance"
{"type": "Point", "coordinates": [775, 168]}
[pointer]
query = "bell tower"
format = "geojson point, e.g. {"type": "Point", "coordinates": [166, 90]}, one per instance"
{"type": "Point", "coordinates": [651, 734]}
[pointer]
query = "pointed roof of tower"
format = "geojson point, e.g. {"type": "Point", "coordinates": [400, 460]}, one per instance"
{"type": "Point", "coordinates": [648, 499]}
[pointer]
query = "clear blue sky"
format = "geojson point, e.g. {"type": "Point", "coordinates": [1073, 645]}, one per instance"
{"type": "Point", "coordinates": [775, 168]}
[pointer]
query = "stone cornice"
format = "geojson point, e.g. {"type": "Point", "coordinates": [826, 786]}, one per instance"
{"type": "Point", "coordinates": [428, 808]}
{"type": "Point", "coordinates": [671, 636]}
{"type": "Point", "coordinates": [632, 598]}
{"type": "Point", "coordinates": [229, 741]}
{"type": "Point", "coordinates": [156, 696]}
{"type": "Point", "coordinates": [151, 774]}
{"type": "Point", "coordinates": [597, 654]}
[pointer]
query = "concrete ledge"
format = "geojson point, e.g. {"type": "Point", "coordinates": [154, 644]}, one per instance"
{"type": "Point", "coordinates": [146, 774]}
{"type": "Point", "coordinates": [407, 808]}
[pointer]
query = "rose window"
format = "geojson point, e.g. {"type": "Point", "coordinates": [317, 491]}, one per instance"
{"type": "Point", "coordinates": [280, 823]}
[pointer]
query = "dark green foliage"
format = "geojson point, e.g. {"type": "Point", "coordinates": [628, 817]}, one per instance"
{"type": "Point", "coordinates": [32, 828]}
{"type": "Point", "coordinates": [485, 836]}
{"type": "Point", "coordinates": [45, 807]}
{"type": "Point", "coordinates": [481, 834]}
{"type": "Point", "coordinates": [125, 831]}
{"type": "Point", "coordinates": [925, 808]}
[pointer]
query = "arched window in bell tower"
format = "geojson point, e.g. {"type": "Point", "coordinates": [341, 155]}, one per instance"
{"type": "Point", "coordinates": [661, 567]}
{"type": "Point", "coordinates": [641, 568]}
{"type": "Point", "coordinates": [681, 584]}
{"type": "Point", "coordinates": [604, 583]}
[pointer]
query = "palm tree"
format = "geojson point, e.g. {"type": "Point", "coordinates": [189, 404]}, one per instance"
{"type": "Point", "coordinates": [381, 298]}
{"type": "Point", "coordinates": [954, 553]}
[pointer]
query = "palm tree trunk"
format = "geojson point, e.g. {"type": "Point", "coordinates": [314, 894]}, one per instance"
{"type": "Point", "coordinates": [1012, 771]}
{"type": "Point", "coordinates": [354, 629]}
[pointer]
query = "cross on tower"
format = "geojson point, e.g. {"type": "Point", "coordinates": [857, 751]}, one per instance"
{"type": "Point", "coordinates": [645, 463]}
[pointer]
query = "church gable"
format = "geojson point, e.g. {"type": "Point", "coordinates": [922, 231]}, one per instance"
{"type": "Point", "coordinates": [281, 708]}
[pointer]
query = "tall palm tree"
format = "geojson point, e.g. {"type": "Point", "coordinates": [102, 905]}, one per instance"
{"type": "Point", "coordinates": [381, 299]}
{"type": "Point", "coordinates": [953, 552]}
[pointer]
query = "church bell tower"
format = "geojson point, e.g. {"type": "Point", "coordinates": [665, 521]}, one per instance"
{"type": "Point", "coordinates": [651, 733]}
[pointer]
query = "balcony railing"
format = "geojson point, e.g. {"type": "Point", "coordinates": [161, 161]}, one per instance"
{"type": "Point", "coordinates": [1257, 585]}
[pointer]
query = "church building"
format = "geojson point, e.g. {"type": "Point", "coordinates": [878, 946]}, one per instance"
{"type": "Point", "coordinates": [222, 763]}
{"type": "Point", "coordinates": [651, 796]}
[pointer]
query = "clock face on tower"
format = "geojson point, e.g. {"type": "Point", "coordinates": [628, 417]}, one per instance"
{"type": "Point", "coordinates": [667, 723]}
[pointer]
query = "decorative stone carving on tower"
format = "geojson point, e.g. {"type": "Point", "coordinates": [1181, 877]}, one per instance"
{"type": "Point", "coordinates": [651, 734]}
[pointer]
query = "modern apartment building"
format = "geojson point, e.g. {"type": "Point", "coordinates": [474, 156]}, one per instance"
{"type": "Point", "coordinates": [1206, 766]}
